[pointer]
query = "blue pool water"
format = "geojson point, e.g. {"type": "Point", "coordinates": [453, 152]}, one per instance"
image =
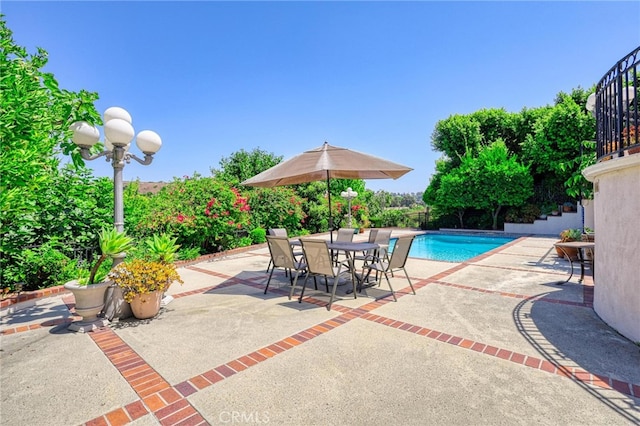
{"type": "Point", "coordinates": [452, 248]}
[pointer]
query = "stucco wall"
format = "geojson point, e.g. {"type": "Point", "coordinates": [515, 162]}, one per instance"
{"type": "Point", "coordinates": [617, 277]}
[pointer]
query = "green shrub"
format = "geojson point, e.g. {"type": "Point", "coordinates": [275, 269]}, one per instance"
{"type": "Point", "coordinates": [241, 242]}
{"type": "Point", "coordinates": [46, 266]}
{"type": "Point", "coordinates": [188, 253]}
{"type": "Point", "coordinates": [376, 222]}
{"type": "Point", "coordinates": [523, 214]}
{"type": "Point", "coordinates": [393, 218]}
{"type": "Point", "coordinates": [258, 235]}
{"type": "Point", "coordinates": [276, 208]}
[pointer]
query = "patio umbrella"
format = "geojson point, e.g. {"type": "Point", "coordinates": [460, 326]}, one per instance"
{"type": "Point", "coordinates": [324, 163]}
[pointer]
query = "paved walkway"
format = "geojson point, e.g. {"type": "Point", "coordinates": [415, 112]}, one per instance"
{"type": "Point", "coordinates": [489, 341]}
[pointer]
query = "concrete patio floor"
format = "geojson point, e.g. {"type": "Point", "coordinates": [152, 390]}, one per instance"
{"type": "Point", "coordinates": [490, 341]}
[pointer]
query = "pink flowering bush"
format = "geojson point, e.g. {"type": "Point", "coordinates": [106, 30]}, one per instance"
{"type": "Point", "coordinates": [201, 212]}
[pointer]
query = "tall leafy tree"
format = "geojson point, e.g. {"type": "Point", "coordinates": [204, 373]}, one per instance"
{"type": "Point", "coordinates": [456, 192]}
{"type": "Point", "coordinates": [35, 115]}
{"type": "Point", "coordinates": [455, 136]}
{"type": "Point", "coordinates": [558, 138]}
{"type": "Point", "coordinates": [242, 165]}
{"type": "Point", "coordinates": [499, 179]}
{"type": "Point", "coordinates": [498, 124]}
{"type": "Point", "coordinates": [340, 185]}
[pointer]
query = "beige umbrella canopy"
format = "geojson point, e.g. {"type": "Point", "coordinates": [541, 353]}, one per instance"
{"type": "Point", "coordinates": [324, 163]}
{"type": "Point", "coordinates": [327, 162]}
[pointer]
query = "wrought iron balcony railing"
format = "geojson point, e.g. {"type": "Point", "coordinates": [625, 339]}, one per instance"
{"type": "Point", "coordinates": [616, 109]}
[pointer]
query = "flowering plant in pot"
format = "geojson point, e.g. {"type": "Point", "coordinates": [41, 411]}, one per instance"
{"type": "Point", "coordinates": [144, 280]}
{"type": "Point", "coordinates": [568, 235]}
{"type": "Point", "coordinates": [90, 287]}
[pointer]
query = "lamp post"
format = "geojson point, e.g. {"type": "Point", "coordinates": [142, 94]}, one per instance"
{"type": "Point", "coordinates": [349, 194]}
{"type": "Point", "coordinates": [118, 133]}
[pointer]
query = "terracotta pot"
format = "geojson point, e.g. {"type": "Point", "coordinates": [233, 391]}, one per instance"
{"type": "Point", "coordinates": [146, 305]}
{"type": "Point", "coordinates": [571, 252]}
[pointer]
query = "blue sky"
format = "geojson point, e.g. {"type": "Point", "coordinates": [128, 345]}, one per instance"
{"type": "Point", "coordinates": [216, 77]}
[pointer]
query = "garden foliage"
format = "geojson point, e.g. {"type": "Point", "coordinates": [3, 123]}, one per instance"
{"type": "Point", "coordinates": [36, 115]}
{"type": "Point", "coordinates": [200, 212]}
{"type": "Point", "coordinates": [541, 155]}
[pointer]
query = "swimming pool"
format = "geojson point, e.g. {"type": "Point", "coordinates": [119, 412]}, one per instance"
{"type": "Point", "coordinates": [452, 248]}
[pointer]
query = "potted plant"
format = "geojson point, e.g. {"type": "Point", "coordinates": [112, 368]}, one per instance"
{"type": "Point", "coordinates": [143, 281]}
{"type": "Point", "coordinates": [546, 210]}
{"type": "Point", "coordinates": [568, 207]}
{"type": "Point", "coordinates": [572, 234]}
{"type": "Point", "coordinates": [89, 289]}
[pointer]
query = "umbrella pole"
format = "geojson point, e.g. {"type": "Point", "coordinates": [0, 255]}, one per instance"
{"type": "Point", "coordinates": [330, 216]}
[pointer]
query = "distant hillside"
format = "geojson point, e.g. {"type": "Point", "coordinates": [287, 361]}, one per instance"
{"type": "Point", "coordinates": [149, 187]}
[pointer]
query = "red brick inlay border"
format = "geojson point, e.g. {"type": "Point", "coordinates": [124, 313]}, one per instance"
{"type": "Point", "coordinates": [263, 354]}
{"type": "Point", "coordinates": [587, 301]}
{"type": "Point", "coordinates": [577, 374]}
{"type": "Point", "coordinates": [30, 295]}
{"type": "Point", "coordinates": [156, 394]}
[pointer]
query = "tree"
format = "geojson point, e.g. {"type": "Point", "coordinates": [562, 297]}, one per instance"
{"type": "Point", "coordinates": [577, 185]}
{"type": "Point", "coordinates": [499, 179]}
{"type": "Point", "coordinates": [498, 124]}
{"type": "Point", "coordinates": [315, 205]}
{"type": "Point", "coordinates": [36, 115]}
{"type": "Point", "coordinates": [340, 185]}
{"type": "Point", "coordinates": [456, 192]}
{"type": "Point", "coordinates": [242, 165]}
{"type": "Point", "coordinates": [443, 166]}
{"type": "Point", "coordinates": [558, 137]}
{"type": "Point", "coordinates": [455, 136]}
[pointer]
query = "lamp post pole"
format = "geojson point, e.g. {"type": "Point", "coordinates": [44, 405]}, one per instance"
{"type": "Point", "coordinates": [118, 133]}
{"type": "Point", "coordinates": [349, 194]}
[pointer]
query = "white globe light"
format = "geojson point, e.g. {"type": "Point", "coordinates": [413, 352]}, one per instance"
{"type": "Point", "coordinates": [148, 141]}
{"type": "Point", "coordinates": [118, 131]}
{"type": "Point", "coordinates": [109, 146]}
{"type": "Point", "coordinates": [349, 193]}
{"type": "Point", "coordinates": [84, 134]}
{"type": "Point", "coordinates": [117, 112]}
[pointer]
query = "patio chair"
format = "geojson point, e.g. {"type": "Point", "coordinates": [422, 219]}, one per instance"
{"type": "Point", "coordinates": [281, 232]}
{"type": "Point", "coordinates": [345, 235]}
{"type": "Point", "coordinates": [282, 257]}
{"type": "Point", "coordinates": [395, 263]}
{"type": "Point", "coordinates": [319, 263]}
{"type": "Point", "coordinates": [382, 238]}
